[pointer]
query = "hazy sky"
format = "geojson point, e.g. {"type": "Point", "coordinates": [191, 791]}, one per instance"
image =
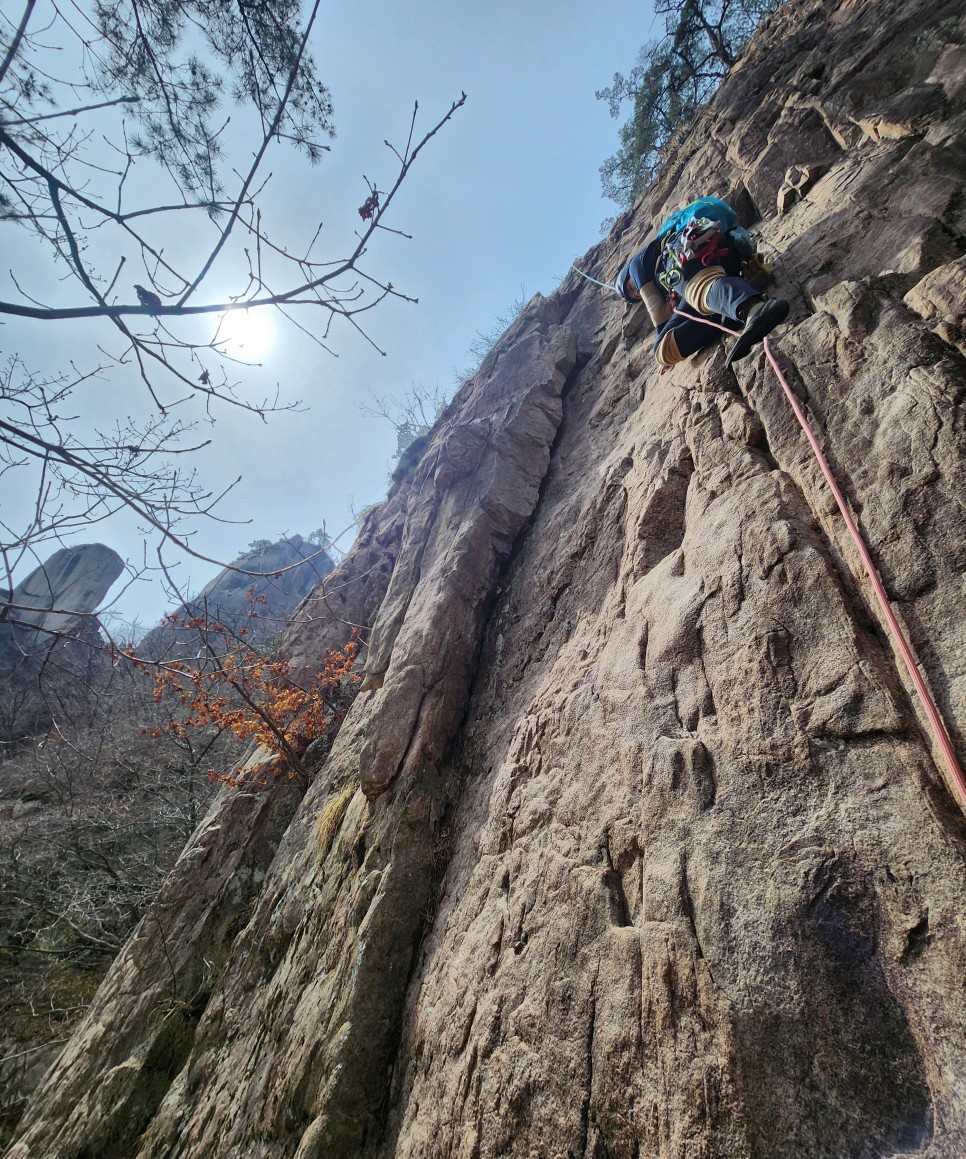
{"type": "Point", "coordinates": [499, 204]}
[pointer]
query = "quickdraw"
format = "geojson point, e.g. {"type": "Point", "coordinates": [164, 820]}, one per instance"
{"type": "Point", "coordinates": [699, 241]}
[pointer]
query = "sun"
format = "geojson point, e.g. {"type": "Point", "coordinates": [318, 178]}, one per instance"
{"type": "Point", "coordinates": [246, 334]}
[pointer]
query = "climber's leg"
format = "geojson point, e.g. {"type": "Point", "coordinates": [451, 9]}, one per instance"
{"type": "Point", "coordinates": [762, 317]}
{"type": "Point", "coordinates": [681, 337]}
{"type": "Point", "coordinates": [712, 291]}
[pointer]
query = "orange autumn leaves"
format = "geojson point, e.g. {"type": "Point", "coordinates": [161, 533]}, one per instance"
{"type": "Point", "coordinates": [254, 697]}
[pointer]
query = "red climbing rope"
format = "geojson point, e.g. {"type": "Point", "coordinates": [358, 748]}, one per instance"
{"type": "Point", "coordinates": [905, 649]}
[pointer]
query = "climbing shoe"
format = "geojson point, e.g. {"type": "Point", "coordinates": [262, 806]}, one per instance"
{"type": "Point", "coordinates": [762, 318]}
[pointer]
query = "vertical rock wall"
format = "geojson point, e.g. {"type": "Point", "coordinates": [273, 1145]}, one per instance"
{"type": "Point", "coordinates": [634, 845]}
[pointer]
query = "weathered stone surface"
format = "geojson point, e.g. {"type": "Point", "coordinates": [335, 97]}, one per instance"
{"type": "Point", "coordinates": [258, 593]}
{"type": "Point", "coordinates": [663, 862]}
{"type": "Point", "coordinates": [469, 501]}
{"type": "Point", "coordinates": [50, 641]}
{"type": "Point", "coordinates": [940, 298]}
{"type": "Point", "coordinates": [66, 588]}
{"type": "Point", "coordinates": [798, 180]}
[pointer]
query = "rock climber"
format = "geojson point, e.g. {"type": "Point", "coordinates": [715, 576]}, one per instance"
{"type": "Point", "coordinates": [693, 265]}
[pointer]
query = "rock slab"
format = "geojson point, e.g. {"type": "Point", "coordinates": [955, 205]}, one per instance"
{"type": "Point", "coordinates": [635, 843]}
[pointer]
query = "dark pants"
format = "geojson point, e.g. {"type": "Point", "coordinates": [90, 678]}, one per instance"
{"type": "Point", "coordinates": [724, 298]}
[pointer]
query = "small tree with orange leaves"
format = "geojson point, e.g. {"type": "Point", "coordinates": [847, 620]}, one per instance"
{"type": "Point", "coordinates": [256, 698]}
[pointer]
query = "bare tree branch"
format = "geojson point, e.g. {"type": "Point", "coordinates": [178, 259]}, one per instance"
{"type": "Point", "coordinates": [18, 36]}
{"type": "Point", "coordinates": [81, 197]}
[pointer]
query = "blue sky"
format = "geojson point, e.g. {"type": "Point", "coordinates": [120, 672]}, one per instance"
{"type": "Point", "coordinates": [501, 201]}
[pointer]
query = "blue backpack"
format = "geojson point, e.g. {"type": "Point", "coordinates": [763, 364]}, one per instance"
{"type": "Point", "coordinates": [710, 207]}
{"type": "Point", "coordinates": [698, 232]}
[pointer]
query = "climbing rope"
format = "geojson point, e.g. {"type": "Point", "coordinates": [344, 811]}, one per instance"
{"type": "Point", "coordinates": [905, 649]}
{"type": "Point", "coordinates": [594, 280]}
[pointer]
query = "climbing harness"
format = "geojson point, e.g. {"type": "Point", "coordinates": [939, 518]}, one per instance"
{"type": "Point", "coordinates": [701, 241]}
{"type": "Point", "coordinates": [905, 649]}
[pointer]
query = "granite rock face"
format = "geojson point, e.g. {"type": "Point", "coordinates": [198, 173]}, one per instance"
{"type": "Point", "coordinates": [635, 842]}
{"type": "Point", "coordinates": [257, 593]}
{"type": "Point", "coordinates": [48, 623]}
{"type": "Point", "coordinates": [65, 588]}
